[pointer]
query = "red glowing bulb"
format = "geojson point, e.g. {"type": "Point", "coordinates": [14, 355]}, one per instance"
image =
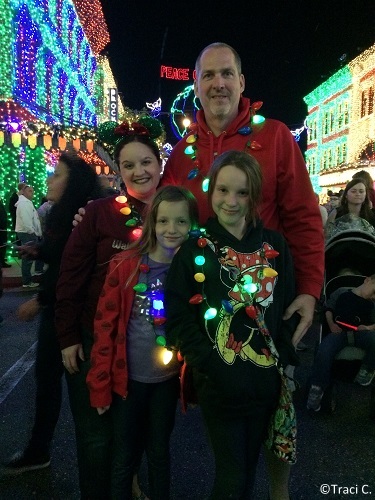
{"type": "Point", "coordinates": [196, 299]}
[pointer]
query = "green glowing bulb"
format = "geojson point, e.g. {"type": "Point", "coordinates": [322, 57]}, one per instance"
{"type": "Point", "coordinates": [160, 340]}
{"type": "Point", "coordinates": [251, 288]}
{"type": "Point", "coordinates": [258, 119]}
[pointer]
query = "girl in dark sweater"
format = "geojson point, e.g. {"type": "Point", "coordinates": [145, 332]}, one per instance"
{"type": "Point", "coordinates": [215, 287]}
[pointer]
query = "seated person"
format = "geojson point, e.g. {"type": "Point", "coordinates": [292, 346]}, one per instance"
{"type": "Point", "coordinates": [356, 309]}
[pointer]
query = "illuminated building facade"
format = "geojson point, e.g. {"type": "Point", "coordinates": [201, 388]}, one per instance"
{"type": "Point", "coordinates": [341, 125]}
{"type": "Point", "coordinates": [53, 87]}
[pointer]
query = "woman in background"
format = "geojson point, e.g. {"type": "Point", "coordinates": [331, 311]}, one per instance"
{"type": "Point", "coordinates": [355, 201]}
{"type": "Point", "coordinates": [366, 177]}
{"type": "Point", "coordinates": [73, 183]}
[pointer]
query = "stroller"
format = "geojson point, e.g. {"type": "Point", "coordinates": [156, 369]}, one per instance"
{"type": "Point", "coordinates": [349, 258]}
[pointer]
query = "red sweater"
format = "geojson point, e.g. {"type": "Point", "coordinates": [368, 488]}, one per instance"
{"type": "Point", "coordinates": [101, 234]}
{"type": "Point", "coordinates": [289, 203]}
{"type": "Point", "coordinates": [108, 372]}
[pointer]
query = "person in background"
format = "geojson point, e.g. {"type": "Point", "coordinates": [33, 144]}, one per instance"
{"type": "Point", "coordinates": [355, 307]}
{"type": "Point", "coordinates": [218, 289]}
{"type": "Point", "coordinates": [3, 235]}
{"type": "Point", "coordinates": [28, 231]}
{"type": "Point", "coordinates": [333, 201]}
{"type": "Point", "coordinates": [12, 202]}
{"type": "Point", "coordinates": [355, 201]}
{"type": "Point", "coordinates": [323, 210]}
{"type": "Point", "coordinates": [106, 185]}
{"type": "Point", "coordinates": [226, 122]}
{"type": "Point", "coordinates": [70, 172]}
{"type": "Point", "coordinates": [109, 226]}
{"type": "Point", "coordinates": [43, 212]}
{"type": "Point", "coordinates": [128, 370]}
{"type": "Point", "coordinates": [369, 183]}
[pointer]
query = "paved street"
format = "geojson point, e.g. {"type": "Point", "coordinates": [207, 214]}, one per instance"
{"type": "Point", "coordinates": [336, 450]}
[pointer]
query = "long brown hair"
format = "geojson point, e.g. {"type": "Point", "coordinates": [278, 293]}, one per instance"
{"type": "Point", "coordinates": [365, 212]}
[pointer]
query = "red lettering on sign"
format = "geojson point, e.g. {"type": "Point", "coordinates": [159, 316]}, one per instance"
{"type": "Point", "coordinates": [175, 73]}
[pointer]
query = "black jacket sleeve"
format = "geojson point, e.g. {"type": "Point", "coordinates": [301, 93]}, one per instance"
{"type": "Point", "coordinates": [183, 328]}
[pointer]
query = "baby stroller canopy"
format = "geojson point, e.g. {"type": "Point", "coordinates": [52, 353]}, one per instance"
{"type": "Point", "coordinates": [350, 244]}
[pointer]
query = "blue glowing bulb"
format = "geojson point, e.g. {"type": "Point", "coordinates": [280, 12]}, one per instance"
{"type": "Point", "coordinates": [190, 150]}
{"type": "Point", "coordinates": [205, 184]}
{"type": "Point", "coordinates": [199, 260]}
{"type": "Point", "coordinates": [227, 306]}
{"type": "Point", "coordinates": [210, 313]}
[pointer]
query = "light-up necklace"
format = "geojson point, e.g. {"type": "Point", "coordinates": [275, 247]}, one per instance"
{"type": "Point", "coordinates": [134, 218]}
{"type": "Point", "coordinates": [191, 140]}
{"type": "Point", "coordinates": [245, 286]}
{"type": "Point", "coordinates": [156, 298]}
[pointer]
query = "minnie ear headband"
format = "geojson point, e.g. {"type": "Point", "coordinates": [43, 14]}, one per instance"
{"type": "Point", "coordinates": [131, 129]}
{"type": "Point", "coordinates": [109, 133]}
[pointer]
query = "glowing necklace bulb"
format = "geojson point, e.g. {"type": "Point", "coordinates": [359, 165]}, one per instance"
{"type": "Point", "coordinates": [210, 313]}
{"type": "Point", "coordinates": [205, 185]}
{"type": "Point", "coordinates": [199, 260]}
{"type": "Point", "coordinates": [167, 356]}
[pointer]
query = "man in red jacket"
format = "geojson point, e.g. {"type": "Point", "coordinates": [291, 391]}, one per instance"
{"type": "Point", "coordinates": [226, 122]}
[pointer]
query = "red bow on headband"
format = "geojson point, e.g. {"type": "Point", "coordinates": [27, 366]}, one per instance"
{"type": "Point", "coordinates": [136, 129]}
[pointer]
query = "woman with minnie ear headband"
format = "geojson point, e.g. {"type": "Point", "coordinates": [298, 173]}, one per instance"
{"type": "Point", "coordinates": [109, 226]}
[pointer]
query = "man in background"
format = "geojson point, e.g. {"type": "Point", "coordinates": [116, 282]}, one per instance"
{"type": "Point", "coordinates": [28, 230]}
{"type": "Point", "coordinates": [12, 202]}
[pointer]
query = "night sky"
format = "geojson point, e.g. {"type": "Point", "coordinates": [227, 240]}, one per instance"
{"type": "Point", "coordinates": [287, 47]}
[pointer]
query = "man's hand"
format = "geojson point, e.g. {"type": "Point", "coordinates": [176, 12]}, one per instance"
{"type": "Point", "coordinates": [28, 310]}
{"type": "Point", "coordinates": [79, 217]}
{"type": "Point", "coordinates": [70, 356]}
{"type": "Point", "coordinates": [304, 305]}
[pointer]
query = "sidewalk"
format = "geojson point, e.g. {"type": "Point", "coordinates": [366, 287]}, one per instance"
{"type": "Point", "coordinates": [12, 277]}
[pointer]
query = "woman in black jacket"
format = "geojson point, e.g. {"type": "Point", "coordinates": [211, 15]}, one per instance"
{"type": "Point", "coordinates": [73, 183]}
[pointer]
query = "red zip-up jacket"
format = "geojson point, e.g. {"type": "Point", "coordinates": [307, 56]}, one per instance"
{"type": "Point", "coordinates": [108, 372]}
{"type": "Point", "coordinates": [288, 202]}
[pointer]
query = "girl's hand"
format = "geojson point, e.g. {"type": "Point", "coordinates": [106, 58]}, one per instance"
{"type": "Point", "coordinates": [28, 310]}
{"type": "Point", "coordinates": [102, 409]}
